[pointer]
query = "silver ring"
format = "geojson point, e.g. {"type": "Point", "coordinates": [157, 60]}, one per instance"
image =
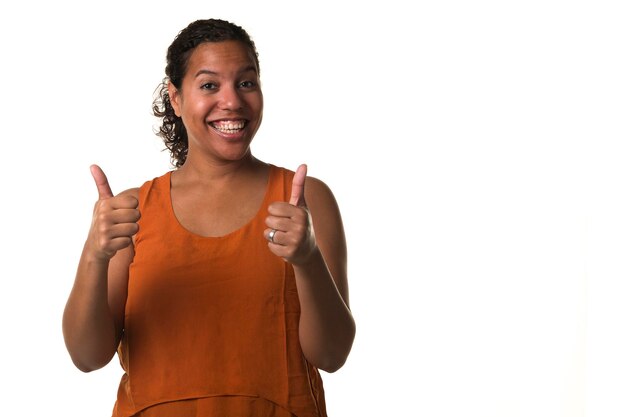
{"type": "Point", "coordinates": [271, 235]}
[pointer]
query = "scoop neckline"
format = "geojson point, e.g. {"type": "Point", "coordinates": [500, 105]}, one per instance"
{"type": "Point", "coordinates": [248, 224]}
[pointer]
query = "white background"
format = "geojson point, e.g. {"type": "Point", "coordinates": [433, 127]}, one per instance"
{"type": "Point", "coordinates": [476, 149]}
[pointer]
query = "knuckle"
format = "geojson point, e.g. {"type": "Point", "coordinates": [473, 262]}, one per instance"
{"type": "Point", "coordinates": [102, 217]}
{"type": "Point", "coordinates": [102, 229]}
{"type": "Point", "coordinates": [103, 243]}
{"type": "Point", "coordinates": [300, 229]}
{"type": "Point", "coordinates": [290, 252]}
{"type": "Point", "coordinates": [105, 204]}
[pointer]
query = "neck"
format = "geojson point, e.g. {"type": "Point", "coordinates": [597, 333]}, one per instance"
{"type": "Point", "coordinates": [210, 171]}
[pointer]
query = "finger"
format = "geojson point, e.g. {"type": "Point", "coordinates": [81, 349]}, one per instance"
{"type": "Point", "coordinates": [123, 216]}
{"type": "Point", "coordinates": [283, 224]}
{"type": "Point", "coordinates": [114, 241]}
{"type": "Point", "coordinates": [123, 230]}
{"type": "Point", "coordinates": [297, 187]}
{"type": "Point", "coordinates": [281, 209]}
{"type": "Point", "coordinates": [104, 191]}
{"type": "Point", "coordinates": [123, 202]}
{"type": "Point", "coordinates": [282, 251]}
{"type": "Point", "coordinates": [118, 243]}
{"type": "Point", "coordinates": [275, 240]}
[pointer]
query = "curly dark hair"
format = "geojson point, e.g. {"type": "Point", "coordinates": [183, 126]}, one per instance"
{"type": "Point", "coordinates": [172, 130]}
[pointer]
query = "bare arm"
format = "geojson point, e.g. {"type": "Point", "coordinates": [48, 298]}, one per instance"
{"type": "Point", "coordinates": [317, 250]}
{"type": "Point", "coordinates": [94, 314]}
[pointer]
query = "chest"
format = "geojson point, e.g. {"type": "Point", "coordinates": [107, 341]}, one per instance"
{"type": "Point", "coordinates": [218, 212]}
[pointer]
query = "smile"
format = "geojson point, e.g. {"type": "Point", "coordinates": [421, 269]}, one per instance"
{"type": "Point", "coordinates": [228, 126]}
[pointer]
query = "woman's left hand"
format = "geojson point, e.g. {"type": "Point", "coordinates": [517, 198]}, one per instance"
{"type": "Point", "coordinates": [290, 232]}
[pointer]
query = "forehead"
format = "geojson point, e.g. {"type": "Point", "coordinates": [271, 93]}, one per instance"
{"type": "Point", "coordinates": [221, 57]}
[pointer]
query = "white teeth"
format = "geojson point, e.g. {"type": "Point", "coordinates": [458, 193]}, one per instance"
{"type": "Point", "coordinates": [229, 126]}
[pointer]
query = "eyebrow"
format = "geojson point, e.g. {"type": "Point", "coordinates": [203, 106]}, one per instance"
{"type": "Point", "coordinates": [209, 72]}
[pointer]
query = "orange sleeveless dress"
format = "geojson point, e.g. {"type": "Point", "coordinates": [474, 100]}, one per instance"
{"type": "Point", "coordinates": [211, 323]}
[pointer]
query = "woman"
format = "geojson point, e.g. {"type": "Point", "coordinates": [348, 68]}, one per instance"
{"type": "Point", "coordinates": [222, 284]}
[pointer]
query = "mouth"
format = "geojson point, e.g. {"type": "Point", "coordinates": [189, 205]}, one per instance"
{"type": "Point", "coordinates": [229, 127]}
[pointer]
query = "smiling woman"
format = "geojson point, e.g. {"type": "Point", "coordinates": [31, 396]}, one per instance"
{"type": "Point", "coordinates": [222, 285]}
{"type": "Point", "coordinates": [220, 101]}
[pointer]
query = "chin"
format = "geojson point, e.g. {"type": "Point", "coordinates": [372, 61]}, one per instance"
{"type": "Point", "coordinates": [236, 156]}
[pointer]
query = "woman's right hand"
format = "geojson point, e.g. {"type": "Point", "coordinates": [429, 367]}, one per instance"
{"type": "Point", "coordinates": [114, 219]}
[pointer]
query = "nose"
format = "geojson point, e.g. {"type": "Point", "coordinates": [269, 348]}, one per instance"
{"type": "Point", "coordinates": [230, 98]}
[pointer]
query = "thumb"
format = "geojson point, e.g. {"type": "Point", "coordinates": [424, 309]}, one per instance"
{"type": "Point", "coordinates": [104, 190]}
{"type": "Point", "coordinates": [297, 187]}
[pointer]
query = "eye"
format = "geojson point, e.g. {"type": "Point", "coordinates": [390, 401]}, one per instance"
{"type": "Point", "coordinates": [247, 84]}
{"type": "Point", "coordinates": [208, 86]}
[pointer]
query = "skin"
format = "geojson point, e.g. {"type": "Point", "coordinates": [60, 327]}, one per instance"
{"type": "Point", "coordinates": [218, 190]}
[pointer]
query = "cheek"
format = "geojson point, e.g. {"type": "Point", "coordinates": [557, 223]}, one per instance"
{"type": "Point", "coordinates": [256, 102]}
{"type": "Point", "coordinates": [197, 109]}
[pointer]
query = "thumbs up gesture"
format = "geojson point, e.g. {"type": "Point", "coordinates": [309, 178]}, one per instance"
{"type": "Point", "coordinates": [290, 230]}
{"type": "Point", "coordinates": [114, 219]}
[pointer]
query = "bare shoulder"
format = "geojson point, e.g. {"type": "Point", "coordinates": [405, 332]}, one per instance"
{"type": "Point", "coordinates": [318, 194]}
{"type": "Point", "coordinates": [324, 209]}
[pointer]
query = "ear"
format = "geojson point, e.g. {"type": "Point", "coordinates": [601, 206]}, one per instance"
{"type": "Point", "coordinates": [172, 91]}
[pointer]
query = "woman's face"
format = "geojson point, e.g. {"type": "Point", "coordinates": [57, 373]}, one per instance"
{"type": "Point", "coordinates": [220, 101]}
